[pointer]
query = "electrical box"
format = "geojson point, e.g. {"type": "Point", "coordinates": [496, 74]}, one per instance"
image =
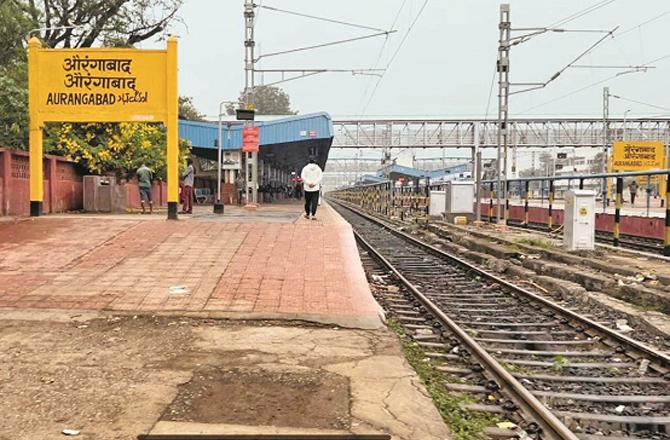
{"type": "Point", "coordinates": [438, 203]}
{"type": "Point", "coordinates": [580, 220]}
{"type": "Point", "coordinates": [457, 200]}
{"type": "Point", "coordinates": [460, 197]}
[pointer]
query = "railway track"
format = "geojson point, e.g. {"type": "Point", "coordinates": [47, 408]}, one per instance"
{"type": "Point", "coordinates": [634, 242]}
{"type": "Point", "coordinates": [567, 376]}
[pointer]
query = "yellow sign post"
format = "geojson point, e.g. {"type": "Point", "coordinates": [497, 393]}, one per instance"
{"type": "Point", "coordinates": [102, 85]}
{"type": "Point", "coordinates": [640, 156]}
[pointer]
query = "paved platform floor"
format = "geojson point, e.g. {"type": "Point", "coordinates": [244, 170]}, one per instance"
{"type": "Point", "coordinates": [115, 377]}
{"type": "Point", "coordinates": [269, 263]}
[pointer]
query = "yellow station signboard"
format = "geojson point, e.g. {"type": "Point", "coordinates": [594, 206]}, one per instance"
{"type": "Point", "coordinates": [102, 85]}
{"type": "Point", "coordinates": [638, 155]}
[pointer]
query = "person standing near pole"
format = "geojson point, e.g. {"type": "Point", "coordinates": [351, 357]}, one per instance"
{"type": "Point", "coordinates": [239, 188]}
{"type": "Point", "coordinates": [189, 177]}
{"type": "Point", "coordinates": [144, 178]}
{"type": "Point", "coordinates": [311, 176]}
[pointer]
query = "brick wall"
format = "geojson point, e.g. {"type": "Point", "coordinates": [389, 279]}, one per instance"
{"type": "Point", "coordinates": [62, 184]}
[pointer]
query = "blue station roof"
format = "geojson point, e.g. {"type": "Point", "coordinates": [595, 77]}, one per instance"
{"type": "Point", "coordinates": [313, 126]}
{"type": "Point", "coordinates": [399, 170]}
{"type": "Point", "coordinates": [286, 143]}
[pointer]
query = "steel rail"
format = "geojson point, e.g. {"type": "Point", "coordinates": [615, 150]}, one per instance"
{"type": "Point", "coordinates": [661, 358]}
{"type": "Point", "coordinates": [551, 426]}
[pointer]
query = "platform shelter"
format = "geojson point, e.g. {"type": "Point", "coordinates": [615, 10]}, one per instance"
{"type": "Point", "coordinates": [286, 145]}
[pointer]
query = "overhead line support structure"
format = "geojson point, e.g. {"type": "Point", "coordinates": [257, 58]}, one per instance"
{"type": "Point", "coordinates": [503, 66]}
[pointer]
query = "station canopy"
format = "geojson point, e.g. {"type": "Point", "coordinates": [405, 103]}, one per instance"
{"type": "Point", "coordinates": [285, 143]}
{"type": "Point", "coordinates": [395, 172]}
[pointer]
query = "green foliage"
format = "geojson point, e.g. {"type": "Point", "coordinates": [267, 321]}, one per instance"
{"type": "Point", "coordinates": [14, 105]}
{"type": "Point", "coordinates": [14, 26]}
{"type": "Point", "coordinates": [117, 23]}
{"type": "Point", "coordinates": [188, 111]}
{"type": "Point", "coordinates": [559, 364]}
{"type": "Point", "coordinates": [464, 424]}
{"type": "Point", "coordinates": [112, 148]}
{"type": "Point", "coordinates": [270, 100]}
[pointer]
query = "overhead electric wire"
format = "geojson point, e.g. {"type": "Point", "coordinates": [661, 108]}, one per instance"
{"type": "Point", "coordinates": [634, 69]}
{"type": "Point", "coordinates": [395, 54]}
{"type": "Point", "coordinates": [567, 66]}
{"type": "Point", "coordinates": [581, 89]}
{"type": "Point", "coordinates": [314, 17]}
{"type": "Point", "coordinates": [582, 13]}
{"type": "Point", "coordinates": [317, 46]}
{"type": "Point", "coordinates": [640, 102]}
{"type": "Point", "coordinates": [381, 51]}
{"type": "Point", "coordinates": [488, 104]}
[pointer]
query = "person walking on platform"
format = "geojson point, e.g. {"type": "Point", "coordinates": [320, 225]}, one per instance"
{"type": "Point", "coordinates": [239, 188]}
{"type": "Point", "coordinates": [632, 187]}
{"type": "Point", "coordinates": [189, 177]}
{"type": "Point", "coordinates": [144, 178]}
{"type": "Point", "coordinates": [311, 176]}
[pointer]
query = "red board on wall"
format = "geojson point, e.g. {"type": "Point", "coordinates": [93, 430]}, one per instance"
{"type": "Point", "coordinates": [250, 139]}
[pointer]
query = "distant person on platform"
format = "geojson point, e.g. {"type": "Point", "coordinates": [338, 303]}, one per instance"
{"type": "Point", "coordinates": [188, 177]}
{"type": "Point", "coordinates": [311, 177]}
{"type": "Point", "coordinates": [144, 177]}
{"type": "Point", "coordinates": [239, 187]}
{"type": "Point", "coordinates": [632, 187]}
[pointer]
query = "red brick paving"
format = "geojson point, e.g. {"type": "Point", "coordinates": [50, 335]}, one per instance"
{"type": "Point", "coordinates": [306, 268]}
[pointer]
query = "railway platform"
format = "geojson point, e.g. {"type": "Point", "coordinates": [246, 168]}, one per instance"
{"type": "Point", "coordinates": [252, 323]}
{"type": "Point", "coordinates": [270, 263]}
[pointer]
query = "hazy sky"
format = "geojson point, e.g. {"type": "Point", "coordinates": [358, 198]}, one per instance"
{"type": "Point", "coordinates": [445, 66]}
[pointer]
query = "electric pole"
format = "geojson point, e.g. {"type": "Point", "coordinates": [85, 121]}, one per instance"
{"type": "Point", "coordinates": [249, 69]}
{"type": "Point", "coordinates": [503, 105]}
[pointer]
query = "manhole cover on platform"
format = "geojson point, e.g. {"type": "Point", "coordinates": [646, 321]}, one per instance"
{"type": "Point", "coordinates": [312, 399]}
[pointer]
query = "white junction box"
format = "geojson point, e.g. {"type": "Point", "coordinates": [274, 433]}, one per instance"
{"type": "Point", "coordinates": [438, 203]}
{"type": "Point", "coordinates": [460, 197]}
{"type": "Point", "coordinates": [455, 201]}
{"type": "Point", "coordinates": [580, 220]}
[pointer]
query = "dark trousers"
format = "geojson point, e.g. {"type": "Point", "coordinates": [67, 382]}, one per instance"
{"type": "Point", "coordinates": [311, 202]}
{"type": "Point", "coordinates": [240, 193]}
{"type": "Point", "coordinates": [632, 198]}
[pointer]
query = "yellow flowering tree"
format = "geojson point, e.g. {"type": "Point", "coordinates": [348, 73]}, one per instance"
{"type": "Point", "coordinates": [113, 148]}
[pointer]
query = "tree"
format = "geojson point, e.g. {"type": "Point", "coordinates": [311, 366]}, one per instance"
{"type": "Point", "coordinates": [13, 76]}
{"type": "Point", "coordinates": [188, 111]}
{"type": "Point", "coordinates": [596, 165]}
{"type": "Point", "coordinates": [113, 148]}
{"type": "Point", "coordinates": [270, 100]}
{"type": "Point", "coordinates": [14, 105]}
{"type": "Point", "coordinates": [83, 23]}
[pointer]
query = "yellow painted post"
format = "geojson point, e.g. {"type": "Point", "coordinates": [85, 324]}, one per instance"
{"type": "Point", "coordinates": [35, 131]}
{"type": "Point", "coordinates": [172, 129]}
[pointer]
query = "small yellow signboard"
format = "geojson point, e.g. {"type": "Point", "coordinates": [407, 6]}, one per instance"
{"type": "Point", "coordinates": [102, 85]}
{"type": "Point", "coordinates": [638, 155]}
